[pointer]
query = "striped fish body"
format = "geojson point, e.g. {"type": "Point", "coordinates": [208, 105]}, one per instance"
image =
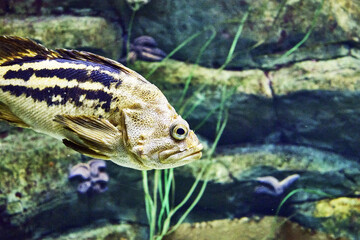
{"type": "Point", "coordinates": [37, 91]}
{"type": "Point", "coordinates": [95, 105]}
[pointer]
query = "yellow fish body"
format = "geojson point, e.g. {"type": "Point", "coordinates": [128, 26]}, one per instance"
{"type": "Point", "coordinates": [93, 104]}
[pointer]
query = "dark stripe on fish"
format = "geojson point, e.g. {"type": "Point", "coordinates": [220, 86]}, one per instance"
{"type": "Point", "coordinates": [71, 95]}
{"type": "Point", "coordinates": [104, 78]}
{"type": "Point", "coordinates": [20, 74]}
{"type": "Point", "coordinates": [81, 75]}
{"type": "Point", "coordinates": [69, 74]}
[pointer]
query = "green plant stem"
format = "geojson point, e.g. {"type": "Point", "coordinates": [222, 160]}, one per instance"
{"type": "Point", "coordinates": [163, 227]}
{"type": "Point", "coordinates": [172, 194]}
{"type": "Point", "coordinates": [236, 39]}
{"type": "Point", "coordinates": [181, 45]}
{"type": "Point", "coordinates": [188, 80]}
{"type": "Point", "coordinates": [289, 195]}
{"type": "Point", "coordinates": [153, 210]}
{"type": "Point", "coordinates": [167, 221]}
{"type": "Point", "coordinates": [282, 5]}
{"type": "Point", "coordinates": [148, 200]}
{"type": "Point", "coordinates": [203, 187]}
{"type": "Point", "coordinates": [313, 24]}
{"type": "Point", "coordinates": [228, 59]}
{"type": "Point", "coordinates": [193, 204]}
{"type": "Point", "coordinates": [193, 107]}
{"type": "Point", "coordinates": [165, 202]}
{"type": "Point", "coordinates": [129, 34]}
{"type": "Point", "coordinates": [209, 114]}
{"type": "Point", "coordinates": [222, 105]}
{"type": "Point", "coordinates": [161, 195]}
{"type": "Point", "coordinates": [189, 101]}
{"type": "Point", "coordinates": [218, 135]}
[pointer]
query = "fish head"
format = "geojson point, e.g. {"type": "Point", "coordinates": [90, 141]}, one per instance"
{"type": "Point", "coordinates": [156, 137]}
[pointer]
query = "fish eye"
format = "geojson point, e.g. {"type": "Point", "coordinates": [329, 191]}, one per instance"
{"type": "Point", "coordinates": [179, 131]}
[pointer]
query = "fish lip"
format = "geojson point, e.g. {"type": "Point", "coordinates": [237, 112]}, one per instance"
{"type": "Point", "coordinates": [178, 157]}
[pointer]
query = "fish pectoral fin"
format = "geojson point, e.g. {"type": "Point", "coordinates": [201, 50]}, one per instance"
{"type": "Point", "coordinates": [7, 115]}
{"type": "Point", "coordinates": [84, 150]}
{"type": "Point", "coordinates": [96, 134]}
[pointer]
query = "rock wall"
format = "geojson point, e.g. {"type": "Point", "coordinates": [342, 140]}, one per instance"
{"type": "Point", "coordinates": [88, 33]}
{"type": "Point", "coordinates": [310, 103]}
{"type": "Point", "coordinates": [288, 114]}
{"type": "Point", "coordinates": [271, 29]}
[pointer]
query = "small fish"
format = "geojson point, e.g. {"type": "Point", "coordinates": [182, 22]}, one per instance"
{"type": "Point", "coordinates": [95, 105]}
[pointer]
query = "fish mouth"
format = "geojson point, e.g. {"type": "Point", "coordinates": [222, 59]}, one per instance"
{"type": "Point", "coordinates": [176, 157]}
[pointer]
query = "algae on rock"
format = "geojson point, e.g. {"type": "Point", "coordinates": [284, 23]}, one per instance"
{"type": "Point", "coordinates": [341, 215]}
{"type": "Point", "coordinates": [34, 170]}
{"type": "Point", "coordinates": [91, 33]}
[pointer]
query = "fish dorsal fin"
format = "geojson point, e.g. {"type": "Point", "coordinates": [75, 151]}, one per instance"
{"type": "Point", "coordinates": [91, 57]}
{"type": "Point", "coordinates": [16, 50]}
{"type": "Point", "coordinates": [94, 58]}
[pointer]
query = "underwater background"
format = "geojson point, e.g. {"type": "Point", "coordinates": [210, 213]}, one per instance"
{"type": "Point", "coordinates": [272, 88]}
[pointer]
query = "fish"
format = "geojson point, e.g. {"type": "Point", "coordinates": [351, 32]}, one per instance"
{"type": "Point", "coordinates": [93, 104]}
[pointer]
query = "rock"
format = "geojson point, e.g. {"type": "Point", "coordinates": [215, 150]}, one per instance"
{"type": "Point", "coordinates": [270, 30]}
{"type": "Point", "coordinates": [311, 103]}
{"type": "Point", "coordinates": [33, 177]}
{"type": "Point", "coordinates": [100, 231]}
{"type": "Point", "coordinates": [48, 7]}
{"type": "Point", "coordinates": [339, 74]}
{"type": "Point", "coordinates": [172, 74]}
{"type": "Point", "coordinates": [93, 34]}
{"type": "Point", "coordinates": [233, 172]}
{"type": "Point", "coordinates": [35, 194]}
{"type": "Point", "coordinates": [246, 229]}
{"type": "Point", "coordinates": [329, 29]}
{"type": "Point", "coordinates": [230, 192]}
{"type": "Point", "coordinates": [339, 214]}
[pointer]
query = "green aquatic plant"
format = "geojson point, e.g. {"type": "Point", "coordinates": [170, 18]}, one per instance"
{"type": "Point", "coordinates": [134, 7]}
{"type": "Point", "coordinates": [159, 203]}
{"type": "Point", "coordinates": [180, 46]}
{"type": "Point", "coordinates": [166, 213]}
{"type": "Point", "coordinates": [236, 39]}
{"type": "Point", "coordinates": [293, 192]}
{"type": "Point", "coordinates": [308, 33]}
{"type": "Point", "coordinates": [188, 80]}
{"type": "Point", "coordinates": [228, 93]}
{"type": "Point", "coordinates": [164, 181]}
